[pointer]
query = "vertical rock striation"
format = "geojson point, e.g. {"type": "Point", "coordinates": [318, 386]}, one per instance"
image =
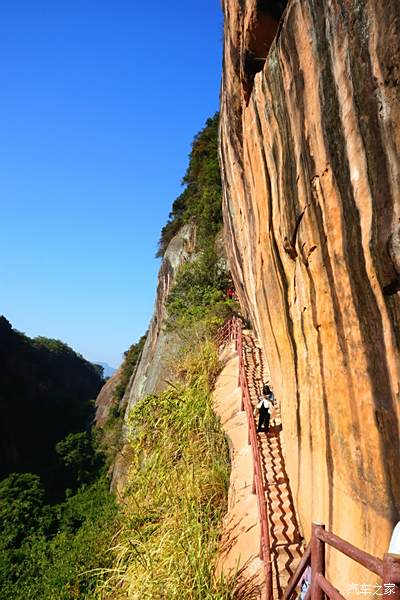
{"type": "Point", "coordinates": [310, 155]}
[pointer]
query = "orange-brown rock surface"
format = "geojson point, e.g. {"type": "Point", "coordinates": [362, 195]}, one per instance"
{"type": "Point", "coordinates": [310, 153]}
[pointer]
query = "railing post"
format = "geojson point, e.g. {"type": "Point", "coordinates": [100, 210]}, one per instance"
{"type": "Point", "coordinates": [248, 416]}
{"type": "Point", "coordinates": [317, 562]}
{"type": "Point", "coordinates": [240, 384]}
{"type": "Point", "coordinates": [391, 575]}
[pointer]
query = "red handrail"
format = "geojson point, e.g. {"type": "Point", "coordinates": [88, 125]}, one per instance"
{"type": "Point", "coordinates": [232, 330]}
{"type": "Point", "coordinates": [366, 560]}
{"type": "Point", "coordinates": [226, 332]}
{"type": "Point", "coordinates": [387, 569]}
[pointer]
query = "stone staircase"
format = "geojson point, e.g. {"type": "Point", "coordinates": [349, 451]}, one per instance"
{"type": "Point", "coordinates": [285, 537]}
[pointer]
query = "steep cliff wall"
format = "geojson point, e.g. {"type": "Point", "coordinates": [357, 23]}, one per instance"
{"type": "Point", "coordinates": [105, 399]}
{"type": "Point", "coordinates": [310, 140]}
{"type": "Point", "coordinates": [153, 370]}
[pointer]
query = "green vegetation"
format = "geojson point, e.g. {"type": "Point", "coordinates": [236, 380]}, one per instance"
{"type": "Point", "coordinates": [63, 536]}
{"type": "Point", "coordinates": [21, 507]}
{"type": "Point", "coordinates": [47, 392]}
{"type": "Point", "coordinates": [109, 437]}
{"type": "Point", "coordinates": [177, 491]}
{"type": "Point", "coordinates": [131, 358]}
{"type": "Point", "coordinates": [80, 457]}
{"type": "Point", "coordinates": [51, 518]}
{"type": "Point", "coordinates": [201, 199]}
{"type": "Point", "coordinates": [198, 297]}
{"type": "Point", "coordinates": [53, 552]}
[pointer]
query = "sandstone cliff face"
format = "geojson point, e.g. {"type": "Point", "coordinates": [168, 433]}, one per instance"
{"type": "Point", "coordinates": [310, 141]}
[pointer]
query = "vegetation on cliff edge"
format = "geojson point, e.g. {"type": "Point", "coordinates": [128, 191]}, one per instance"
{"type": "Point", "coordinates": [177, 491]}
{"type": "Point", "coordinates": [201, 199]}
{"type": "Point", "coordinates": [199, 291]}
{"type": "Point", "coordinates": [168, 522]}
{"type": "Point", "coordinates": [47, 391]}
{"type": "Point", "coordinates": [109, 436]}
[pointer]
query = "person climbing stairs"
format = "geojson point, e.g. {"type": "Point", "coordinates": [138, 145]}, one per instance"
{"type": "Point", "coordinates": [287, 563]}
{"type": "Point", "coordinates": [286, 544]}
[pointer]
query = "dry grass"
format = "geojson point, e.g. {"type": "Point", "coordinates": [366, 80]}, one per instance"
{"type": "Point", "coordinates": [177, 493]}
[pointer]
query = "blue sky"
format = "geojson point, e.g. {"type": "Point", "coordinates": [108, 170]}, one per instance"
{"type": "Point", "coordinates": [99, 104]}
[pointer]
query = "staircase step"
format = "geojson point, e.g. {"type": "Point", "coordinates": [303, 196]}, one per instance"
{"type": "Point", "coordinates": [285, 537]}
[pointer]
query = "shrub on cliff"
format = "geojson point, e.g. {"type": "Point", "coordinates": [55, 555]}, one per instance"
{"type": "Point", "coordinates": [201, 199]}
{"type": "Point", "coordinates": [199, 294]}
{"type": "Point", "coordinates": [65, 564]}
{"type": "Point", "coordinates": [80, 458]}
{"type": "Point", "coordinates": [21, 507]}
{"type": "Point", "coordinates": [109, 437]}
{"type": "Point", "coordinates": [131, 358]}
{"type": "Point", "coordinates": [199, 291]}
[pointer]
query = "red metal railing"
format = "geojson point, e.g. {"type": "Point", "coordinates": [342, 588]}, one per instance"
{"type": "Point", "coordinates": [388, 569]}
{"type": "Point", "coordinates": [228, 331]}
{"type": "Point", "coordinates": [232, 330]}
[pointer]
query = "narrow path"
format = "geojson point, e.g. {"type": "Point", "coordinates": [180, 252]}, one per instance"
{"type": "Point", "coordinates": [286, 541]}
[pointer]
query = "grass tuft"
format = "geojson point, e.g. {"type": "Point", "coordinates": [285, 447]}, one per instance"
{"type": "Point", "coordinates": [177, 492]}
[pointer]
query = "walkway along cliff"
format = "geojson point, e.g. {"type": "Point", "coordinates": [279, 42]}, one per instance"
{"type": "Point", "coordinates": [309, 148]}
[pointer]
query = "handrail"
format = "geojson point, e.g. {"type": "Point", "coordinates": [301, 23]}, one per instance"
{"type": "Point", "coordinates": [233, 330]}
{"type": "Point", "coordinates": [366, 560]}
{"type": "Point", "coordinates": [328, 588]}
{"type": "Point", "coordinates": [303, 564]}
{"type": "Point", "coordinates": [387, 569]}
{"type": "Point", "coordinates": [227, 331]}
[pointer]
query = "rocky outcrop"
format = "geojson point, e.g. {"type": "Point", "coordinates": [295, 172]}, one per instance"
{"type": "Point", "coordinates": [310, 142]}
{"type": "Point", "coordinates": [105, 399]}
{"type": "Point", "coordinates": [154, 368]}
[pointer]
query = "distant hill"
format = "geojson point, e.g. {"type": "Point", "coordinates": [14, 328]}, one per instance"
{"type": "Point", "coordinates": [108, 370]}
{"type": "Point", "coordinates": [46, 392]}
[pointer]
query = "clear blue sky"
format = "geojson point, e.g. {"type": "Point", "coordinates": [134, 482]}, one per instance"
{"type": "Point", "coordinates": [99, 103]}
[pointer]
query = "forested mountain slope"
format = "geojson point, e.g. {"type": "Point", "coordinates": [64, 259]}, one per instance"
{"type": "Point", "coordinates": [46, 392]}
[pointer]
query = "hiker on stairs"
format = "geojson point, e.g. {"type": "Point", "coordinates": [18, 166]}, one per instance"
{"type": "Point", "coordinates": [266, 403]}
